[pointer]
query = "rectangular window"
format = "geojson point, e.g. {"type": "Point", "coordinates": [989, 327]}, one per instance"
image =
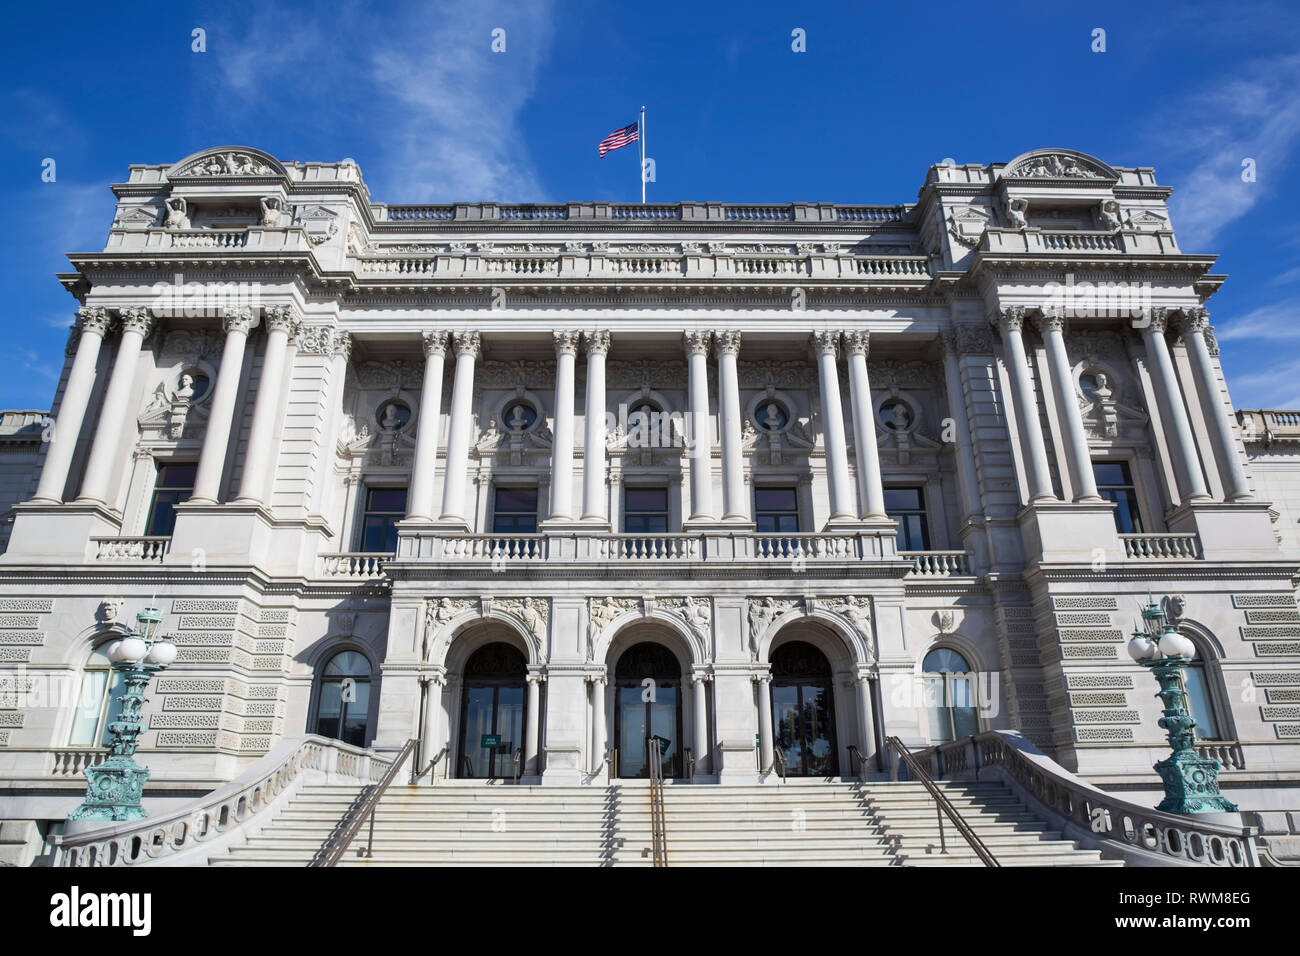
{"type": "Point", "coordinates": [514, 511]}
{"type": "Point", "coordinates": [1198, 703]}
{"type": "Point", "coordinates": [174, 484]}
{"type": "Point", "coordinates": [384, 508]}
{"type": "Point", "coordinates": [776, 511]}
{"type": "Point", "coordinates": [907, 507]}
{"type": "Point", "coordinates": [1115, 483]}
{"type": "Point", "coordinates": [645, 510]}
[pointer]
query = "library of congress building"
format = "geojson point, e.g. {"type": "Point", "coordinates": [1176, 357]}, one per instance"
{"type": "Point", "coordinates": [802, 495]}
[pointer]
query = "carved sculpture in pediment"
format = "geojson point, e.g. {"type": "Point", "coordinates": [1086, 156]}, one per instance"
{"type": "Point", "coordinates": [394, 374]}
{"type": "Point", "coordinates": [226, 164]}
{"type": "Point", "coordinates": [643, 373]}
{"type": "Point", "coordinates": [1053, 166]}
{"type": "Point", "coordinates": [772, 374]}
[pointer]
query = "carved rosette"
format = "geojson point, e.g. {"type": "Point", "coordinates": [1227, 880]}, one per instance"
{"type": "Point", "coordinates": [973, 339]}
{"type": "Point", "coordinates": [138, 319]}
{"type": "Point", "coordinates": [467, 342]}
{"type": "Point", "coordinates": [435, 343]}
{"type": "Point", "coordinates": [566, 341]}
{"type": "Point", "coordinates": [697, 343]}
{"type": "Point", "coordinates": [316, 340]}
{"type": "Point", "coordinates": [728, 342]}
{"type": "Point", "coordinates": [597, 341]}
{"type": "Point", "coordinates": [857, 342]}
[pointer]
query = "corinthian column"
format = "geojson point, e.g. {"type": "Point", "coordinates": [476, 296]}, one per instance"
{"type": "Point", "coordinates": [136, 324]}
{"type": "Point", "coordinates": [566, 350]}
{"type": "Point", "coordinates": [870, 490]}
{"type": "Point", "coordinates": [837, 452]}
{"type": "Point", "coordinates": [426, 442]}
{"type": "Point", "coordinates": [734, 505]}
{"type": "Point", "coordinates": [259, 458]}
{"type": "Point", "coordinates": [593, 452]}
{"type": "Point", "coordinates": [93, 324]}
{"type": "Point", "coordinates": [697, 351]}
{"type": "Point", "coordinates": [1193, 324]}
{"type": "Point", "coordinates": [1191, 483]}
{"type": "Point", "coordinates": [1010, 324]}
{"type": "Point", "coordinates": [1051, 325]}
{"type": "Point", "coordinates": [212, 457]}
{"type": "Point", "coordinates": [467, 346]}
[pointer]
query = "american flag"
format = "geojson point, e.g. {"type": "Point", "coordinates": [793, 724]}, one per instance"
{"type": "Point", "coordinates": [620, 137]}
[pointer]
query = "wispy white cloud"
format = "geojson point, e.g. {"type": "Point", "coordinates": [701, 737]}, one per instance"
{"type": "Point", "coordinates": [1273, 322]}
{"type": "Point", "coordinates": [439, 109]}
{"type": "Point", "coordinates": [1254, 115]}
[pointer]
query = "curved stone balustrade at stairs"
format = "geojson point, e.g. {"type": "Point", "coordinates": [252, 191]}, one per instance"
{"type": "Point", "coordinates": [191, 834]}
{"type": "Point", "coordinates": [1088, 815]}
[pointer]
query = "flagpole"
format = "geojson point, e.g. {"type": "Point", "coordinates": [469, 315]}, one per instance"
{"type": "Point", "coordinates": [641, 139]}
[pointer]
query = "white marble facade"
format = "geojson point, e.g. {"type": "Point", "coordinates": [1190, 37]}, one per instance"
{"type": "Point", "coordinates": [301, 346]}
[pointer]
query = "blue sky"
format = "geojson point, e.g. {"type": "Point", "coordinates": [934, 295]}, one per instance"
{"type": "Point", "coordinates": [415, 95]}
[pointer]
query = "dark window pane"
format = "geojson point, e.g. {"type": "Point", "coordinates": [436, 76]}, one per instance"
{"type": "Point", "coordinates": [1115, 483]}
{"type": "Point", "coordinates": [902, 499]}
{"type": "Point", "coordinates": [387, 499]}
{"type": "Point", "coordinates": [177, 476]}
{"type": "Point", "coordinates": [646, 499]}
{"type": "Point", "coordinates": [516, 499]}
{"type": "Point", "coordinates": [1111, 473]}
{"type": "Point", "coordinates": [775, 499]}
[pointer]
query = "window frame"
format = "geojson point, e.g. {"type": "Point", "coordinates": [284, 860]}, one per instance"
{"type": "Point", "coordinates": [497, 488]}
{"type": "Point", "coordinates": [367, 511]}
{"type": "Point", "coordinates": [948, 682]}
{"type": "Point", "coordinates": [320, 679]}
{"type": "Point", "coordinates": [1134, 498]}
{"type": "Point", "coordinates": [667, 512]}
{"type": "Point", "coordinates": [797, 511]}
{"type": "Point", "coordinates": [160, 466]}
{"type": "Point", "coordinates": [923, 512]}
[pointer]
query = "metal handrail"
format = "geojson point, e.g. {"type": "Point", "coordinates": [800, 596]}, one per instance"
{"type": "Point", "coordinates": [861, 761]}
{"type": "Point", "coordinates": [465, 767]}
{"type": "Point", "coordinates": [942, 805]}
{"type": "Point", "coordinates": [518, 759]}
{"type": "Point", "coordinates": [611, 764]}
{"type": "Point", "coordinates": [415, 777]}
{"type": "Point", "coordinates": [659, 838]}
{"type": "Point", "coordinates": [778, 762]}
{"type": "Point", "coordinates": [332, 851]}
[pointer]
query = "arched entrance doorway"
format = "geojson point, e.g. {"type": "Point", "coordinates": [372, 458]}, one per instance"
{"type": "Point", "coordinates": [492, 711]}
{"type": "Point", "coordinates": [647, 702]}
{"type": "Point", "coordinates": [803, 710]}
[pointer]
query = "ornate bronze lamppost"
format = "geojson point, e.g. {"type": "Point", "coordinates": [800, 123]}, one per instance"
{"type": "Point", "coordinates": [1191, 781]}
{"type": "Point", "coordinates": [115, 786]}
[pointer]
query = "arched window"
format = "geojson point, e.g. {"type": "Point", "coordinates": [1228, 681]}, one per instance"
{"type": "Point", "coordinates": [343, 706]}
{"type": "Point", "coordinates": [1203, 688]}
{"type": "Point", "coordinates": [98, 701]}
{"type": "Point", "coordinates": [949, 695]}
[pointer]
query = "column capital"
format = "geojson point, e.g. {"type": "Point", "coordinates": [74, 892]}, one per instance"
{"type": "Point", "coordinates": [566, 341]}
{"type": "Point", "coordinates": [341, 342]}
{"type": "Point", "coordinates": [1050, 318]}
{"type": "Point", "coordinates": [696, 342]}
{"type": "Point", "coordinates": [1010, 319]}
{"type": "Point", "coordinates": [435, 342]}
{"type": "Point", "coordinates": [857, 341]}
{"type": "Point", "coordinates": [281, 318]}
{"type": "Point", "coordinates": [238, 320]}
{"type": "Point", "coordinates": [825, 342]}
{"type": "Point", "coordinates": [1159, 321]}
{"type": "Point", "coordinates": [137, 319]}
{"type": "Point", "coordinates": [467, 342]}
{"type": "Point", "coordinates": [1193, 319]}
{"type": "Point", "coordinates": [93, 319]}
{"type": "Point", "coordinates": [727, 341]}
{"type": "Point", "coordinates": [597, 341]}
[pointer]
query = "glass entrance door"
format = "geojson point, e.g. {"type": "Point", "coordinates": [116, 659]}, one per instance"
{"type": "Point", "coordinates": [803, 710]}
{"type": "Point", "coordinates": [492, 714]}
{"type": "Point", "coordinates": [648, 704]}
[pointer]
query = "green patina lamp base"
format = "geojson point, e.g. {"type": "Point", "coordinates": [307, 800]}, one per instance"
{"type": "Point", "coordinates": [1191, 785]}
{"type": "Point", "coordinates": [114, 791]}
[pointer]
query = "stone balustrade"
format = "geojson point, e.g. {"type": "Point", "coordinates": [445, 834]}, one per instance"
{"type": "Point", "coordinates": [194, 832]}
{"type": "Point", "coordinates": [497, 551]}
{"type": "Point", "coordinates": [139, 549]}
{"type": "Point", "coordinates": [938, 564]}
{"type": "Point", "coordinates": [1091, 816]}
{"type": "Point", "coordinates": [1072, 242]}
{"type": "Point", "coordinates": [357, 565]}
{"type": "Point", "coordinates": [1158, 547]}
{"type": "Point", "coordinates": [825, 213]}
{"type": "Point", "coordinates": [239, 239]}
{"type": "Point", "coordinates": [1267, 426]}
